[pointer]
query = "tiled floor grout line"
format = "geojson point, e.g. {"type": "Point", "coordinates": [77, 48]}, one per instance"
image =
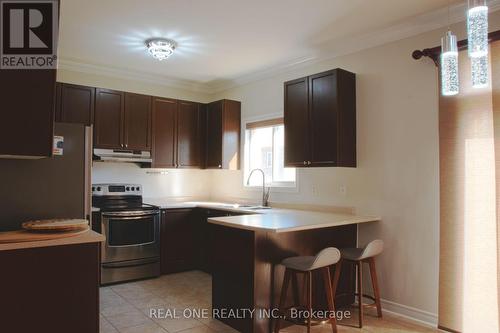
{"type": "Point", "coordinates": [140, 310]}
{"type": "Point", "coordinates": [182, 292]}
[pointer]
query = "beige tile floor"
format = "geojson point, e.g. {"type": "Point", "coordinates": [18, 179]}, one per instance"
{"type": "Point", "coordinates": [125, 308]}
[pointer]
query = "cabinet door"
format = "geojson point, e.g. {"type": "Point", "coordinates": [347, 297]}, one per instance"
{"type": "Point", "coordinates": [188, 135]}
{"type": "Point", "coordinates": [179, 248]}
{"type": "Point", "coordinates": [137, 122]}
{"type": "Point", "coordinates": [75, 104]}
{"type": "Point", "coordinates": [108, 120]}
{"type": "Point", "coordinates": [214, 135]}
{"type": "Point", "coordinates": [296, 122]}
{"type": "Point", "coordinates": [323, 113]}
{"type": "Point", "coordinates": [28, 100]}
{"type": "Point", "coordinates": [231, 130]}
{"type": "Point", "coordinates": [164, 123]}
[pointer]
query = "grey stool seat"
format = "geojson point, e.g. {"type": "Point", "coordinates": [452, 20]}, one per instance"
{"type": "Point", "coordinates": [327, 257]}
{"type": "Point", "coordinates": [374, 248]}
{"type": "Point", "coordinates": [306, 265]}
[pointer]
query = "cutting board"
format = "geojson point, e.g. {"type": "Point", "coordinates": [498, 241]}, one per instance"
{"type": "Point", "coordinates": [19, 236]}
{"type": "Point", "coordinates": [56, 225]}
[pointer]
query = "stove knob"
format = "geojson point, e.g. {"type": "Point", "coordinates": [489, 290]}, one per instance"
{"type": "Point", "coordinates": [98, 189]}
{"type": "Point", "coordinates": [128, 188]}
{"type": "Point", "coordinates": [137, 188]}
{"type": "Point", "coordinates": [93, 189]}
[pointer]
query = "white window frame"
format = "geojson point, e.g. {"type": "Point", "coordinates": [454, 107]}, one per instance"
{"type": "Point", "coordinates": [291, 187]}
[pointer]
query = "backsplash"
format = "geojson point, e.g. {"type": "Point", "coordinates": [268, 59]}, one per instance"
{"type": "Point", "coordinates": [176, 183]}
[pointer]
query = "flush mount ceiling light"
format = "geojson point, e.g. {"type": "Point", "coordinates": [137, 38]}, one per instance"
{"type": "Point", "coordinates": [161, 48]}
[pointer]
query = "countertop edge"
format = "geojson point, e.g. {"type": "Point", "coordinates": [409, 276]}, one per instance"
{"type": "Point", "coordinates": [355, 220]}
{"type": "Point", "coordinates": [88, 237]}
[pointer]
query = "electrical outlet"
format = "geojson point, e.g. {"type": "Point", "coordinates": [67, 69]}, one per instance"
{"type": "Point", "coordinates": [343, 189]}
{"type": "Point", "coordinates": [314, 191]}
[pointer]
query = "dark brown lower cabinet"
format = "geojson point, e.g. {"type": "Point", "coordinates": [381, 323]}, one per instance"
{"type": "Point", "coordinates": [179, 240]}
{"type": "Point", "coordinates": [50, 289]}
{"type": "Point", "coordinates": [186, 239]}
{"type": "Point", "coordinates": [205, 237]}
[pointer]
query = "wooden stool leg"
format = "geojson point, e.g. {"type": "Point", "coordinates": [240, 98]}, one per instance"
{"type": "Point", "coordinates": [338, 268]}
{"type": "Point", "coordinates": [284, 288]}
{"type": "Point", "coordinates": [329, 296]}
{"type": "Point", "coordinates": [360, 291]}
{"type": "Point", "coordinates": [295, 290]}
{"type": "Point", "coordinates": [376, 291]}
{"type": "Point", "coordinates": [309, 299]}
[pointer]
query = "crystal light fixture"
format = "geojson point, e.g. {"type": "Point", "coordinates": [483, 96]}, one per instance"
{"type": "Point", "coordinates": [479, 68]}
{"type": "Point", "coordinates": [161, 48]}
{"type": "Point", "coordinates": [477, 28]}
{"type": "Point", "coordinates": [449, 65]}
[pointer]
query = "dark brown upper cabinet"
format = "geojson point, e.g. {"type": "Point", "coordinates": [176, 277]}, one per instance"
{"type": "Point", "coordinates": [320, 120]}
{"type": "Point", "coordinates": [28, 105]}
{"type": "Point", "coordinates": [164, 133]}
{"type": "Point", "coordinates": [137, 122]}
{"type": "Point", "coordinates": [75, 104]}
{"type": "Point", "coordinates": [122, 120]}
{"type": "Point", "coordinates": [108, 122]}
{"type": "Point", "coordinates": [223, 127]}
{"type": "Point", "coordinates": [296, 122]}
{"type": "Point", "coordinates": [188, 135]}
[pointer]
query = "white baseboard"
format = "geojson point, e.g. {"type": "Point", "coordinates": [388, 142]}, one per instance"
{"type": "Point", "coordinates": [410, 313]}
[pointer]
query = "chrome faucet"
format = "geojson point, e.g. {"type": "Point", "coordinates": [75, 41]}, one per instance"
{"type": "Point", "coordinates": [265, 194]}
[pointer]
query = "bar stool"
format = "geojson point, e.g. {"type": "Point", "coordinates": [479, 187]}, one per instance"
{"type": "Point", "coordinates": [306, 265]}
{"type": "Point", "coordinates": [358, 256]}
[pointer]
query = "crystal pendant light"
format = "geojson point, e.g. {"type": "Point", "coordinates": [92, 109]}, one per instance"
{"type": "Point", "coordinates": [161, 48]}
{"type": "Point", "coordinates": [477, 28]}
{"type": "Point", "coordinates": [479, 68]}
{"type": "Point", "coordinates": [449, 65]}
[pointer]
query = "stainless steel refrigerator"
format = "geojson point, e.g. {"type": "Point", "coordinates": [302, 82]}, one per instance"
{"type": "Point", "coordinates": [56, 187]}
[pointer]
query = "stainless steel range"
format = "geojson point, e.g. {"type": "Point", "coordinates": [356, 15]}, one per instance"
{"type": "Point", "coordinates": [132, 229]}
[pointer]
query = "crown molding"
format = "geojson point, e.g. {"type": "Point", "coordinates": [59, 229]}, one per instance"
{"type": "Point", "coordinates": [76, 65]}
{"type": "Point", "coordinates": [410, 27]}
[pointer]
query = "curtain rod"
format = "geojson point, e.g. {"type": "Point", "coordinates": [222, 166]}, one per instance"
{"type": "Point", "coordinates": [434, 52]}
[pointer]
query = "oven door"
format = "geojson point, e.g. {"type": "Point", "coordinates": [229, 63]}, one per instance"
{"type": "Point", "coordinates": [130, 235]}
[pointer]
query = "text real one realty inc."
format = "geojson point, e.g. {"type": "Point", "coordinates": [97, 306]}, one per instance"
{"type": "Point", "coordinates": [223, 313]}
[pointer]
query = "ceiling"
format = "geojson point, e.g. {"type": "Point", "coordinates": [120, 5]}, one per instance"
{"type": "Point", "coordinates": [221, 40]}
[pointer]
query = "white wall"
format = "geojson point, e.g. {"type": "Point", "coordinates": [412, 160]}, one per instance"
{"type": "Point", "coordinates": [175, 185]}
{"type": "Point", "coordinates": [397, 176]}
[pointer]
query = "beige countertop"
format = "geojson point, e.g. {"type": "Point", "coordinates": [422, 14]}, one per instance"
{"type": "Point", "coordinates": [272, 220]}
{"type": "Point", "coordinates": [88, 237]}
{"type": "Point", "coordinates": [287, 220]}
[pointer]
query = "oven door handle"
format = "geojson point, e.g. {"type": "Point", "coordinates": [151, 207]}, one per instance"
{"type": "Point", "coordinates": [131, 214]}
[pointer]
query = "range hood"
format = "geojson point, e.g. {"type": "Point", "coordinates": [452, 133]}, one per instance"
{"type": "Point", "coordinates": [115, 155]}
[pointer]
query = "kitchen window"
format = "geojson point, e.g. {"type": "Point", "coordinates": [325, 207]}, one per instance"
{"type": "Point", "coordinates": [264, 149]}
